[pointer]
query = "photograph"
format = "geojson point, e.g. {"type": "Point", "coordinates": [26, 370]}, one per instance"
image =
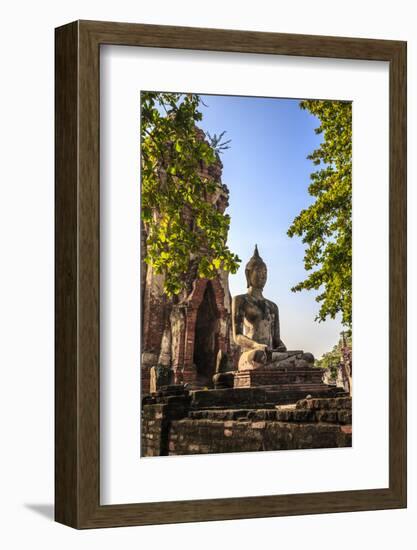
{"type": "Point", "coordinates": [231, 223]}
{"type": "Point", "coordinates": [206, 222]}
{"type": "Point", "coordinates": [246, 273]}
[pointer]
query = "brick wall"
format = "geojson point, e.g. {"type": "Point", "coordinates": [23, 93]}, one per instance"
{"type": "Point", "coordinates": [191, 436]}
{"type": "Point", "coordinates": [157, 308]}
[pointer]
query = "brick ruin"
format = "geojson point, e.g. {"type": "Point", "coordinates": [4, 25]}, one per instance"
{"type": "Point", "coordinates": [186, 336]}
{"type": "Point", "coordinates": [193, 399]}
{"type": "Point", "coordinates": [185, 333]}
{"type": "Point", "coordinates": [180, 422]}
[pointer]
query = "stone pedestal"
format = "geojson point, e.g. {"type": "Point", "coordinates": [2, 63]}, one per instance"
{"type": "Point", "coordinates": [301, 376]}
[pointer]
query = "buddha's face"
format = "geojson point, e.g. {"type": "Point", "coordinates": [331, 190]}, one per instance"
{"type": "Point", "coordinates": [258, 277]}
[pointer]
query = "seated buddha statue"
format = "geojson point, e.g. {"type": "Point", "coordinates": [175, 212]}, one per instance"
{"type": "Point", "coordinates": [256, 327]}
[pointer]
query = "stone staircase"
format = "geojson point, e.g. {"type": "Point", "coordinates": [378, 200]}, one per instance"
{"type": "Point", "coordinates": [335, 410]}
{"type": "Point", "coordinates": [177, 421]}
{"type": "Point", "coordinates": [261, 397]}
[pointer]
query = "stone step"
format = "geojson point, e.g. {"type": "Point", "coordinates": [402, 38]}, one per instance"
{"type": "Point", "coordinates": [320, 404]}
{"type": "Point", "coordinates": [341, 416]}
{"type": "Point", "coordinates": [258, 397]}
{"type": "Point", "coordinates": [299, 387]}
{"type": "Point", "coordinates": [275, 377]}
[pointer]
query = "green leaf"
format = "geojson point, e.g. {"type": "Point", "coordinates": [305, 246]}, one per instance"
{"type": "Point", "coordinates": [180, 222]}
{"type": "Point", "coordinates": [326, 225]}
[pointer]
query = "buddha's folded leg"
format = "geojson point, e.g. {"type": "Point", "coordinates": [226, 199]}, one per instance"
{"type": "Point", "coordinates": [279, 356]}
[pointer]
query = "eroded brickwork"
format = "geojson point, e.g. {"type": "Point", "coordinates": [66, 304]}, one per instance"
{"type": "Point", "coordinates": [171, 326]}
{"type": "Point", "coordinates": [179, 422]}
{"type": "Point", "coordinates": [231, 436]}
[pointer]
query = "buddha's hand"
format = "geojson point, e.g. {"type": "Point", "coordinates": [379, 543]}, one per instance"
{"type": "Point", "coordinates": [259, 356]}
{"type": "Point", "coordinates": [262, 354]}
{"type": "Point", "coordinates": [262, 347]}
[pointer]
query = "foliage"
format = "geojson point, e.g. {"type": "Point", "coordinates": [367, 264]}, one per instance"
{"type": "Point", "coordinates": [217, 143]}
{"type": "Point", "coordinates": [326, 225]}
{"type": "Point", "coordinates": [185, 232]}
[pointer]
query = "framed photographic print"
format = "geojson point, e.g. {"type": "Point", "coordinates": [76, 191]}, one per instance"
{"type": "Point", "coordinates": [230, 240]}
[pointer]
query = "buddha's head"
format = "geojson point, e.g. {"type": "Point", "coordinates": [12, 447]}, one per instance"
{"type": "Point", "coordinates": [255, 271]}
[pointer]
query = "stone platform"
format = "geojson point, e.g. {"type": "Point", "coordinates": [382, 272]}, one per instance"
{"type": "Point", "coordinates": [260, 396]}
{"type": "Point", "coordinates": [278, 376]}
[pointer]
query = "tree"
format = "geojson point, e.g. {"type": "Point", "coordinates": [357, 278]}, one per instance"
{"type": "Point", "coordinates": [326, 225]}
{"type": "Point", "coordinates": [185, 231]}
{"type": "Point", "coordinates": [330, 360]}
{"type": "Point", "coordinates": [339, 355]}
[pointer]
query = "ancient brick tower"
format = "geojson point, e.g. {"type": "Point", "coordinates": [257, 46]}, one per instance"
{"type": "Point", "coordinates": [187, 331]}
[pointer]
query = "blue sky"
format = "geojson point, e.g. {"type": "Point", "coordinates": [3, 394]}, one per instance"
{"type": "Point", "coordinates": [267, 173]}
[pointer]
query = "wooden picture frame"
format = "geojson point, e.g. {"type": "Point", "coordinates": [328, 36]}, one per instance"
{"type": "Point", "coordinates": [77, 382]}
